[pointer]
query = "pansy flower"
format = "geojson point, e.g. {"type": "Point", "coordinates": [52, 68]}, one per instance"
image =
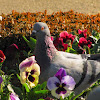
{"type": "Point", "coordinates": [2, 56]}
{"type": "Point", "coordinates": [29, 71]}
{"type": "Point", "coordinates": [66, 37]}
{"type": "Point", "coordinates": [61, 85]}
{"type": "Point", "coordinates": [89, 43]}
{"type": "Point", "coordinates": [83, 42]}
{"type": "Point", "coordinates": [59, 44]}
{"type": "Point", "coordinates": [82, 33]}
{"type": "Point", "coordinates": [13, 97]}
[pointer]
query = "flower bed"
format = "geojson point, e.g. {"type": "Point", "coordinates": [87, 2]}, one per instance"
{"type": "Point", "coordinates": [22, 23]}
{"type": "Point", "coordinates": [72, 32]}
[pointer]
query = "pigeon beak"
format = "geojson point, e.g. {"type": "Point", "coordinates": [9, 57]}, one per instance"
{"type": "Point", "coordinates": [33, 33]}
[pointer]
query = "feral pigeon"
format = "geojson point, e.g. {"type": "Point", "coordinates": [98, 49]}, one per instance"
{"type": "Point", "coordinates": [83, 70]}
{"type": "Point", "coordinates": [94, 94]}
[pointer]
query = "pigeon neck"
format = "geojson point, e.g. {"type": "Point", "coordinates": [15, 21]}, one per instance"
{"type": "Point", "coordinates": [45, 51]}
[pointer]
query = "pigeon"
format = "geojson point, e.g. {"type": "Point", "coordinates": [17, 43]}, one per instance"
{"type": "Point", "coordinates": [83, 68]}
{"type": "Point", "coordinates": [94, 94]}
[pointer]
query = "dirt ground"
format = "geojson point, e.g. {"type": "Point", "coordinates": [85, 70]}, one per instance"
{"type": "Point", "coordinates": [81, 6]}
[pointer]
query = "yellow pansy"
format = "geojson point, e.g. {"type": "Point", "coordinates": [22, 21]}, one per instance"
{"type": "Point", "coordinates": [29, 71]}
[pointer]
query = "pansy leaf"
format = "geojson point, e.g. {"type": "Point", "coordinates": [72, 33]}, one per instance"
{"type": "Point", "coordinates": [30, 43]}
{"type": "Point", "coordinates": [95, 34]}
{"type": "Point", "coordinates": [18, 76]}
{"type": "Point", "coordinates": [70, 96]}
{"type": "Point", "coordinates": [38, 91]}
{"type": "Point", "coordinates": [40, 86]}
{"type": "Point", "coordinates": [43, 85]}
{"type": "Point", "coordinates": [96, 47]}
{"type": "Point", "coordinates": [41, 92]}
{"type": "Point", "coordinates": [25, 85]}
{"type": "Point", "coordinates": [73, 33]}
{"type": "Point", "coordinates": [25, 53]}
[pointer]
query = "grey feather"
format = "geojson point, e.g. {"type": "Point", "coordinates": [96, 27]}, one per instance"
{"type": "Point", "coordinates": [83, 70]}
{"type": "Point", "coordinates": [95, 94]}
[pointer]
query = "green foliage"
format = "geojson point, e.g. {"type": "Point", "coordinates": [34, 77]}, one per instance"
{"type": "Point", "coordinates": [27, 54]}
{"type": "Point", "coordinates": [38, 92]}
{"type": "Point", "coordinates": [30, 43]}
{"type": "Point", "coordinates": [29, 93]}
{"type": "Point", "coordinates": [4, 92]}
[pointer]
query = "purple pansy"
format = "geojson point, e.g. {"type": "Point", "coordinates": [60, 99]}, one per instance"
{"type": "Point", "coordinates": [13, 97]}
{"type": "Point", "coordinates": [61, 84]}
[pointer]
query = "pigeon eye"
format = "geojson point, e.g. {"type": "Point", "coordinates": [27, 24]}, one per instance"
{"type": "Point", "coordinates": [42, 28]}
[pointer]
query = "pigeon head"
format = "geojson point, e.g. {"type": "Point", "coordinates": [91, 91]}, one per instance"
{"type": "Point", "coordinates": [40, 29]}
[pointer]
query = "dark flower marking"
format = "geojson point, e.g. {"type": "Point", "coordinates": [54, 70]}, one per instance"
{"type": "Point", "coordinates": [31, 79]}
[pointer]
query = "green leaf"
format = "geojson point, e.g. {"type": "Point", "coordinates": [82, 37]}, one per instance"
{"type": "Point", "coordinates": [25, 53]}
{"type": "Point", "coordinates": [68, 49]}
{"type": "Point", "coordinates": [25, 39]}
{"type": "Point", "coordinates": [18, 76]}
{"type": "Point", "coordinates": [40, 86]}
{"type": "Point", "coordinates": [43, 85]}
{"type": "Point", "coordinates": [30, 43]}
{"type": "Point", "coordinates": [71, 96]}
{"type": "Point", "coordinates": [25, 85]}
{"type": "Point", "coordinates": [41, 92]}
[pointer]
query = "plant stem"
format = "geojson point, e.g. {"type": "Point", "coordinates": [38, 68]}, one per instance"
{"type": "Point", "coordinates": [23, 92]}
{"type": "Point", "coordinates": [89, 50]}
{"type": "Point", "coordinates": [78, 95]}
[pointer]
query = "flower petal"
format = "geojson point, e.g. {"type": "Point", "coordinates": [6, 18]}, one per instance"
{"type": "Point", "coordinates": [35, 82]}
{"type": "Point", "coordinates": [61, 90]}
{"type": "Point", "coordinates": [53, 92]}
{"type": "Point", "coordinates": [84, 31]}
{"type": "Point", "coordinates": [79, 31]}
{"type": "Point", "coordinates": [22, 77]}
{"type": "Point", "coordinates": [36, 69]}
{"type": "Point", "coordinates": [27, 62]}
{"type": "Point", "coordinates": [2, 56]}
{"type": "Point", "coordinates": [61, 73]}
{"type": "Point", "coordinates": [69, 81]}
{"type": "Point", "coordinates": [64, 34]}
{"type": "Point", "coordinates": [13, 97]}
{"type": "Point", "coordinates": [51, 83]}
